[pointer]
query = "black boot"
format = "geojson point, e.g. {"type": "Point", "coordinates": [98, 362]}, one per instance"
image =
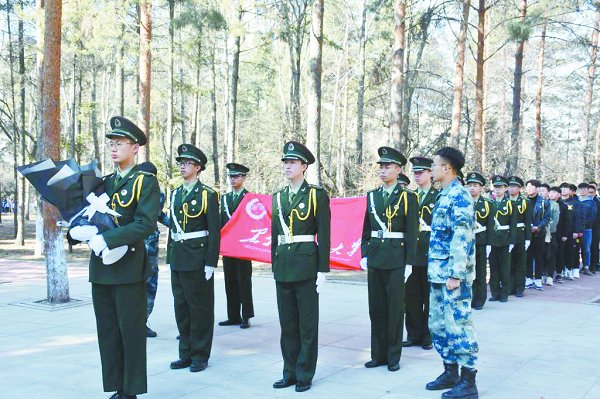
{"type": "Point", "coordinates": [466, 388]}
{"type": "Point", "coordinates": [446, 380]}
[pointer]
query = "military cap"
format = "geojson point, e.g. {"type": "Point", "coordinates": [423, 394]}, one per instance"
{"type": "Point", "coordinates": [475, 177]}
{"type": "Point", "coordinates": [236, 169]}
{"type": "Point", "coordinates": [453, 156]}
{"type": "Point", "coordinates": [499, 180]}
{"type": "Point", "coordinates": [515, 181]}
{"type": "Point", "coordinates": [421, 163]}
{"type": "Point", "coordinates": [293, 150]}
{"type": "Point", "coordinates": [403, 179]}
{"type": "Point", "coordinates": [188, 151]}
{"type": "Point", "coordinates": [123, 127]}
{"type": "Point", "coordinates": [391, 155]}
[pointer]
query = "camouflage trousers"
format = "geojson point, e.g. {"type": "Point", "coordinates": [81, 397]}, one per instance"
{"type": "Point", "coordinates": [152, 282]}
{"type": "Point", "coordinates": [450, 323]}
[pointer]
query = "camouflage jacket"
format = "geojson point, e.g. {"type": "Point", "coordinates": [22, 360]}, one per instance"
{"type": "Point", "coordinates": [452, 242]}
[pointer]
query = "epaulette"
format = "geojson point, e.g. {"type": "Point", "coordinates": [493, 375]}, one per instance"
{"type": "Point", "coordinates": [209, 189]}
{"type": "Point", "coordinates": [316, 187]}
{"type": "Point", "coordinates": [143, 172]}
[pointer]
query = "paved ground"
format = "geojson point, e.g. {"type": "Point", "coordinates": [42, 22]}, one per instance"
{"type": "Point", "coordinates": [545, 345]}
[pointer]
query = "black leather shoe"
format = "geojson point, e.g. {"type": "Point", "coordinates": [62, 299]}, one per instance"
{"type": "Point", "coordinates": [409, 343]}
{"type": "Point", "coordinates": [180, 364]}
{"type": "Point", "coordinates": [198, 365]}
{"type": "Point", "coordinates": [245, 324]}
{"type": "Point", "coordinates": [519, 295]}
{"type": "Point", "coordinates": [504, 300]}
{"type": "Point", "coordinates": [284, 383]}
{"type": "Point", "coordinates": [150, 333]}
{"type": "Point", "coordinates": [393, 367]}
{"type": "Point", "coordinates": [427, 346]}
{"type": "Point", "coordinates": [303, 386]}
{"type": "Point", "coordinates": [229, 323]}
{"type": "Point", "coordinates": [493, 299]}
{"type": "Point", "coordinates": [478, 307]}
{"type": "Point", "coordinates": [372, 363]}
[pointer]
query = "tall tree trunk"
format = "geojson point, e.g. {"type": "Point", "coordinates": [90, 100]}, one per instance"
{"type": "Point", "coordinates": [233, 90]}
{"type": "Point", "coordinates": [479, 88]}
{"type": "Point", "coordinates": [459, 74]}
{"type": "Point", "coordinates": [397, 89]}
{"type": "Point", "coordinates": [484, 138]}
{"type": "Point", "coordinates": [334, 112]}
{"type": "Point", "coordinates": [360, 101]}
{"type": "Point", "coordinates": [513, 157]}
{"type": "Point", "coordinates": [340, 178]}
{"type": "Point", "coordinates": [72, 128]}
{"type": "Point", "coordinates": [120, 64]}
{"type": "Point", "coordinates": [39, 57]}
{"type": "Point", "coordinates": [94, 113]}
{"type": "Point", "coordinates": [214, 132]}
{"type": "Point", "coordinates": [145, 62]}
{"type": "Point", "coordinates": [587, 104]}
{"type": "Point", "coordinates": [313, 107]}
{"type": "Point", "coordinates": [57, 281]}
{"type": "Point", "coordinates": [195, 138]}
{"type": "Point", "coordinates": [20, 238]}
{"type": "Point", "coordinates": [171, 66]}
{"type": "Point", "coordinates": [538, 104]}
{"type": "Point", "coordinates": [15, 137]}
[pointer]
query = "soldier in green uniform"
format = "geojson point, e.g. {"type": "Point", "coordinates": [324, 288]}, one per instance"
{"type": "Point", "coordinates": [193, 252]}
{"type": "Point", "coordinates": [483, 225]}
{"type": "Point", "coordinates": [300, 247]}
{"type": "Point", "coordinates": [238, 272]}
{"type": "Point", "coordinates": [119, 289]}
{"type": "Point", "coordinates": [502, 239]}
{"type": "Point", "coordinates": [417, 285]}
{"type": "Point", "coordinates": [389, 245]}
{"type": "Point", "coordinates": [524, 215]}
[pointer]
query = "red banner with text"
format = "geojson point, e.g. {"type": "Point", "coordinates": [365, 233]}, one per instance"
{"type": "Point", "coordinates": [248, 234]}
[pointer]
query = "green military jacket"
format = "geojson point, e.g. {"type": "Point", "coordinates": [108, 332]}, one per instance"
{"type": "Point", "coordinates": [229, 205]}
{"type": "Point", "coordinates": [399, 214]}
{"type": "Point", "coordinates": [308, 214]}
{"type": "Point", "coordinates": [524, 214]}
{"type": "Point", "coordinates": [484, 221]}
{"type": "Point", "coordinates": [426, 206]}
{"type": "Point", "coordinates": [136, 197]}
{"type": "Point", "coordinates": [198, 211]}
{"type": "Point", "coordinates": [504, 221]}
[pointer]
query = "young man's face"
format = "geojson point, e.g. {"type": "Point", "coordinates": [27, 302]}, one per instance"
{"type": "Point", "coordinates": [543, 191]}
{"type": "Point", "coordinates": [531, 190]}
{"type": "Point", "coordinates": [582, 192]}
{"type": "Point", "coordinates": [237, 181]}
{"type": "Point", "coordinates": [293, 168]}
{"type": "Point", "coordinates": [554, 195]}
{"type": "Point", "coordinates": [188, 169]}
{"type": "Point", "coordinates": [439, 169]}
{"type": "Point", "coordinates": [122, 149]}
{"type": "Point", "coordinates": [389, 172]}
{"type": "Point", "coordinates": [565, 191]}
{"type": "Point", "coordinates": [422, 177]}
{"type": "Point", "coordinates": [474, 189]}
{"type": "Point", "coordinates": [499, 191]}
{"type": "Point", "coordinates": [514, 190]}
{"type": "Point", "coordinates": [591, 191]}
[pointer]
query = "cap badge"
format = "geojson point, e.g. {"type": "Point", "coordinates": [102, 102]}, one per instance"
{"type": "Point", "coordinates": [117, 122]}
{"type": "Point", "coordinates": [384, 151]}
{"type": "Point", "coordinates": [184, 149]}
{"type": "Point", "coordinates": [291, 147]}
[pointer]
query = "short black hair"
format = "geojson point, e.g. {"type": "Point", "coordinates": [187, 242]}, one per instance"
{"type": "Point", "coordinates": [453, 156]}
{"type": "Point", "coordinates": [583, 185]}
{"type": "Point", "coordinates": [555, 188]}
{"type": "Point", "coordinates": [545, 185]}
{"type": "Point", "coordinates": [534, 182]}
{"type": "Point", "coordinates": [593, 183]}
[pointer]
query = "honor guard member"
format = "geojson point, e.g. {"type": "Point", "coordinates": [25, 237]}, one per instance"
{"type": "Point", "coordinates": [417, 286]}
{"type": "Point", "coordinates": [238, 272]}
{"type": "Point", "coordinates": [502, 238]}
{"type": "Point", "coordinates": [524, 214]}
{"type": "Point", "coordinates": [119, 289]}
{"type": "Point", "coordinates": [300, 247]}
{"type": "Point", "coordinates": [389, 244]}
{"type": "Point", "coordinates": [193, 252]}
{"type": "Point", "coordinates": [403, 180]}
{"type": "Point", "coordinates": [483, 224]}
{"type": "Point", "coordinates": [451, 272]}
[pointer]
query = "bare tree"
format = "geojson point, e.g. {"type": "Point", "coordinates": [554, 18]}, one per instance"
{"type": "Point", "coordinates": [145, 61]}
{"type": "Point", "coordinates": [397, 88]}
{"type": "Point", "coordinates": [233, 89]}
{"type": "Point", "coordinates": [589, 93]}
{"type": "Point", "coordinates": [479, 87]}
{"type": "Point", "coordinates": [459, 73]}
{"type": "Point", "coordinates": [538, 103]}
{"type": "Point", "coordinates": [360, 101]}
{"type": "Point", "coordinates": [313, 107]}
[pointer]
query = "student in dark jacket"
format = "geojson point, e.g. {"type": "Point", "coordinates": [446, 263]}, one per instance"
{"type": "Point", "coordinates": [595, 249]}
{"type": "Point", "coordinates": [588, 214]}
{"type": "Point", "coordinates": [539, 208]}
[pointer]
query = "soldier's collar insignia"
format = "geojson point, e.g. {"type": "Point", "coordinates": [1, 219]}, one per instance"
{"type": "Point", "coordinates": [396, 191]}
{"type": "Point", "coordinates": [117, 122]}
{"type": "Point", "coordinates": [303, 189]}
{"type": "Point", "coordinates": [291, 147]}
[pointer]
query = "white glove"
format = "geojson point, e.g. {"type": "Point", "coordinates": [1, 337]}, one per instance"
{"type": "Point", "coordinates": [488, 251]}
{"type": "Point", "coordinates": [527, 243]}
{"type": "Point", "coordinates": [510, 247]}
{"type": "Point", "coordinates": [97, 244]}
{"type": "Point", "coordinates": [363, 263]}
{"type": "Point", "coordinates": [208, 272]}
{"type": "Point", "coordinates": [407, 272]}
{"type": "Point", "coordinates": [83, 233]}
{"type": "Point", "coordinates": [320, 281]}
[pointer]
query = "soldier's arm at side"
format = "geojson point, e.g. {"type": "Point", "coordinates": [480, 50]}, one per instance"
{"type": "Point", "coordinates": [273, 228]}
{"type": "Point", "coordinates": [366, 231]}
{"type": "Point", "coordinates": [214, 230]}
{"type": "Point", "coordinates": [513, 222]}
{"type": "Point", "coordinates": [144, 218]}
{"type": "Point", "coordinates": [463, 237]}
{"type": "Point", "coordinates": [412, 228]}
{"type": "Point", "coordinates": [323, 230]}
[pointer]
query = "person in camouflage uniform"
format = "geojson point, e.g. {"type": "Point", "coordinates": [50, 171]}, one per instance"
{"type": "Point", "coordinates": [451, 271]}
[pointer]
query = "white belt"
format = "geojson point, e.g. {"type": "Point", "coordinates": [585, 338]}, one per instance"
{"type": "Point", "coordinates": [425, 227]}
{"type": "Point", "coordinates": [502, 227]}
{"type": "Point", "coordinates": [482, 228]}
{"type": "Point", "coordinates": [283, 239]}
{"type": "Point", "coordinates": [188, 236]}
{"type": "Point", "coordinates": [387, 234]}
{"type": "Point", "coordinates": [520, 224]}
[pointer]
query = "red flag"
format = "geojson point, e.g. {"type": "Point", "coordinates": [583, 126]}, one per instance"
{"type": "Point", "coordinates": [248, 234]}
